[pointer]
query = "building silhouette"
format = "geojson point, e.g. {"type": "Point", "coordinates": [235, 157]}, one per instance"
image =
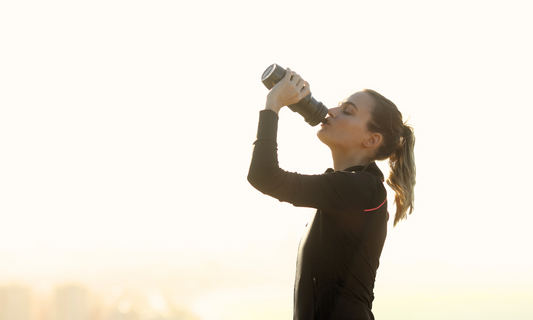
{"type": "Point", "coordinates": [77, 302]}
{"type": "Point", "coordinates": [15, 303]}
{"type": "Point", "coordinates": [71, 302]}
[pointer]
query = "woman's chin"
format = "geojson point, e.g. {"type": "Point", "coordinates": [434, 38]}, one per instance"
{"type": "Point", "coordinates": [322, 136]}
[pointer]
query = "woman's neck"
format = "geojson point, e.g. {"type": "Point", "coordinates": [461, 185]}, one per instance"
{"type": "Point", "coordinates": [343, 160]}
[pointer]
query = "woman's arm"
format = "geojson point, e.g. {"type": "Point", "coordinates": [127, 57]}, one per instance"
{"type": "Point", "coordinates": [330, 192]}
{"type": "Point", "coordinates": [264, 173]}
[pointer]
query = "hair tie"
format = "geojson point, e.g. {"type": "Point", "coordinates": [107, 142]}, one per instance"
{"type": "Point", "coordinates": [406, 131]}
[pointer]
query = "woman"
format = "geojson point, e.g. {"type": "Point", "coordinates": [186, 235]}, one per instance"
{"type": "Point", "coordinates": [339, 253]}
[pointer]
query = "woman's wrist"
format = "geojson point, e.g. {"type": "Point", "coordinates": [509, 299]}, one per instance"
{"type": "Point", "coordinates": [274, 106]}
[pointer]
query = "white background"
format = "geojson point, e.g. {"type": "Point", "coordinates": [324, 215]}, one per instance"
{"type": "Point", "coordinates": [126, 130]}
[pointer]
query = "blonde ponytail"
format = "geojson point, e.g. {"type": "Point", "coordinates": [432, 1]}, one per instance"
{"type": "Point", "coordinates": [398, 146]}
{"type": "Point", "coordinates": [402, 178]}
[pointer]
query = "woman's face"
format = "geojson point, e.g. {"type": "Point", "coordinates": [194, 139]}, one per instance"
{"type": "Point", "coordinates": [345, 128]}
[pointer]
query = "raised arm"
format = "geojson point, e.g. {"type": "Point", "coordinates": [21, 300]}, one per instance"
{"type": "Point", "coordinates": [330, 192]}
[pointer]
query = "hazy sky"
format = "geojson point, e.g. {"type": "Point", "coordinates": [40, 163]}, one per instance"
{"type": "Point", "coordinates": [126, 130]}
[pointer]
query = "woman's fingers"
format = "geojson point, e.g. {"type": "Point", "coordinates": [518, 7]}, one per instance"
{"type": "Point", "coordinates": [288, 74]}
{"type": "Point", "coordinates": [306, 89]}
{"type": "Point", "coordinates": [292, 76]}
{"type": "Point", "coordinates": [296, 80]}
{"type": "Point", "coordinates": [291, 89]}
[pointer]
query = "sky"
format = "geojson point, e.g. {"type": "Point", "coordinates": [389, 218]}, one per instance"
{"type": "Point", "coordinates": [126, 130]}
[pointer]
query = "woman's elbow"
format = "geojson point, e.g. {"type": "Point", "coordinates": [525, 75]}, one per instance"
{"type": "Point", "coordinates": [258, 180]}
{"type": "Point", "coordinates": [253, 179]}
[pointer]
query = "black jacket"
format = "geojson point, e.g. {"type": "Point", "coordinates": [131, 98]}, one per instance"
{"type": "Point", "coordinates": [339, 254]}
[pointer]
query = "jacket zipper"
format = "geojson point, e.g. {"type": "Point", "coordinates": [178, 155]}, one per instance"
{"type": "Point", "coordinates": [315, 292]}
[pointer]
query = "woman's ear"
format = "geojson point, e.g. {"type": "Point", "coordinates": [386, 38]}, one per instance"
{"type": "Point", "coordinates": [373, 140]}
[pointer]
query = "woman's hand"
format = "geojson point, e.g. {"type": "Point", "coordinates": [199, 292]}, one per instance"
{"type": "Point", "coordinates": [289, 90]}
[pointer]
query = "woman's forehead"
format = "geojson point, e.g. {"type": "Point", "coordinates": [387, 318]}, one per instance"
{"type": "Point", "coordinates": [361, 99]}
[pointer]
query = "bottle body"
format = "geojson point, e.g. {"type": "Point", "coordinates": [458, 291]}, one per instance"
{"type": "Point", "coordinates": [312, 110]}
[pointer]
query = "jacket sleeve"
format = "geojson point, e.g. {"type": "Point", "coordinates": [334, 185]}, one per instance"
{"type": "Point", "coordinates": [329, 192]}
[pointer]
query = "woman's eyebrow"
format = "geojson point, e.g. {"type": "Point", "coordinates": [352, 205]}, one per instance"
{"type": "Point", "coordinates": [352, 104]}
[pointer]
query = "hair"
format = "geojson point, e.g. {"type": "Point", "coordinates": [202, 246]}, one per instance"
{"type": "Point", "coordinates": [397, 145]}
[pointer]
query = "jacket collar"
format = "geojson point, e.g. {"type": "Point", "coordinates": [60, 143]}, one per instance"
{"type": "Point", "coordinates": [371, 168]}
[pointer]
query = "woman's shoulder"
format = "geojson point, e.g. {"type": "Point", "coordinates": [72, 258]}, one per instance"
{"type": "Point", "coordinates": [361, 182]}
{"type": "Point", "coordinates": [357, 190]}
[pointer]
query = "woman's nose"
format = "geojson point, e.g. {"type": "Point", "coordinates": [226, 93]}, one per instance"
{"type": "Point", "coordinates": [332, 112]}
